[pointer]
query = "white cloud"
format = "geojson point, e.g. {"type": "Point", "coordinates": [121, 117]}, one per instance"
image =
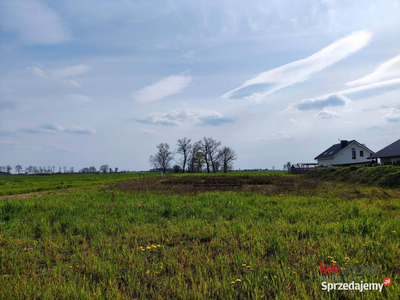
{"type": "Point", "coordinates": [201, 117]}
{"type": "Point", "coordinates": [389, 69]}
{"type": "Point", "coordinates": [322, 102]}
{"type": "Point", "coordinates": [77, 98]}
{"type": "Point", "coordinates": [327, 114]}
{"type": "Point", "coordinates": [62, 75]}
{"type": "Point", "coordinates": [280, 135]}
{"type": "Point", "coordinates": [55, 128]}
{"type": "Point", "coordinates": [165, 87]}
{"type": "Point", "coordinates": [150, 132]}
{"type": "Point", "coordinates": [393, 115]}
{"type": "Point", "coordinates": [33, 22]}
{"type": "Point", "coordinates": [268, 82]}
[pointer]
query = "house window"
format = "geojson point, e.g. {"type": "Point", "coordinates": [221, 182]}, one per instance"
{"type": "Point", "coordinates": [361, 153]}
{"type": "Point", "coordinates": [353, 153]}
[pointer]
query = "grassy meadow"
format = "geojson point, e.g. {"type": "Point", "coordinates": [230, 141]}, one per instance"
{"type": "Point", "coordinates": [256, 235]}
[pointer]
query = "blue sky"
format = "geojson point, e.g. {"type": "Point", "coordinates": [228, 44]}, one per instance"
{"type": "Point", "coordinates": [102, 82]}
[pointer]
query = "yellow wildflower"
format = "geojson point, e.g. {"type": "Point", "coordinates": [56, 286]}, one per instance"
{"type": "Point", "coordinates": [238, 280]}
{"type": "Point", "coordinates": [148, 248]}
{"type": "Point", "coordinates": [159, 246]}
{"type": "Point", "coordinates": [248, 267]}
{"type": "Point", "coordinates": [274, 276]}
{"type": "Point", "coordinates": [243, 265]}
{"type": "Point", "coordinates": [148, 272]}
{"type": "Point", "coordinates": [153, 246]}
{"type": "Point", "coordinates": [347, 257]}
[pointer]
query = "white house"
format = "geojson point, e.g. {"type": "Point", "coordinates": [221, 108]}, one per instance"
{"type": "Point", "coordinates": [344, 153]}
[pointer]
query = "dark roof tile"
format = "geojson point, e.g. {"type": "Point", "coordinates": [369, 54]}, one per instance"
{"type": "Point", "coordinates": [389, 151]}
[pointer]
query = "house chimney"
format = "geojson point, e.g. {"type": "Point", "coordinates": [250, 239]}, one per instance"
{"type": "Point", "coordinates": [343, 144]}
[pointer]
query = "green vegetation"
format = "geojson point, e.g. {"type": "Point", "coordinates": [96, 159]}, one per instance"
{"type": "Point", "coordinates": [13, 184]}
{"type": "Point", "coordinates": [384, 176]}
{"type": "Point", "coordinates": [172, 240]}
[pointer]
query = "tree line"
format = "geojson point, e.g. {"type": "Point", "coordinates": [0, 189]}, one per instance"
{"type": "Point", "coordinates": [52, 170]}
{"type": "Point", "coordinates": [206, 155]}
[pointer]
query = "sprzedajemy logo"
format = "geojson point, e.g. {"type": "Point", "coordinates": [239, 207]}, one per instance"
{"type": "Point", "coordinates": [350, 270]}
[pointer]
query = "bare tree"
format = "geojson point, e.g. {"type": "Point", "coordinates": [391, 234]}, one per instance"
{"type": "Point", "coordinates": [210, 149]}
{"type": "Point", "coordinates": [184, 148]}
{"type": "Point", "coordinates": [18, 168]}
{"type": "Point", "coordinates": [65, 169]}
{"type": "Point", "coordinates": [104, 169]}
{"type": "Point", "coordinates": [226, 156]}
{"type": "Point", "coordinates": [116, 170]}
{"type": "Point", "coordinates": [196, 158]}
{"type": "Point", "coordinates": [8, 168]}
{"type": "Point", "coordinates": [163, 157]}
{"type": "Point", "coordinates": [71, 170]}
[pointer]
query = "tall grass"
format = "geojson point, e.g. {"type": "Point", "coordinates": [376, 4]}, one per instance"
{"type": "Point", "coordinates": [101, 243]}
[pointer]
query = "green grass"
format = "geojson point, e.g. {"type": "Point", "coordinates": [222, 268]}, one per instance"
{"type": "Point", "coordinates": [20, 184]}
{"type": "Point", "coordinates": [86, 244]}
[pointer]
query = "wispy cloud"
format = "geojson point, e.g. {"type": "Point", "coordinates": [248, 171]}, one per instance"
{"type": "Point", "coordinates": [322, 102]}
{"type": "Point", "coordinates": [176, 118]}
{"type": "Point", "coordinates": [389, 69]}
{"type": "Point", "coordinates": [280, 135]}
{"type": "Point", "coordinates": [33, 22]}
{"type": "Point", "coordinates": [77, 98]}
{"type": "Point", "coordinates": [62, 75]}
{"type": "Point", "coordinates": [268, 82]}
{"type": "Point", "coordinates": [327, 114]}
{"type": "Point", "coordinates": [56, 128]}
{"type": "Point", "coordinates": [150, 132]}
{"type": "Point", "coordinates": [393, 115]}
{"type": "Point", "coordinates": [165, 87]}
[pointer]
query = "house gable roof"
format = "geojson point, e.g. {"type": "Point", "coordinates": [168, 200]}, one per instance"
{"type": "Point", "coordinates": [336, 148]}
{"type": "Point", "coordinates": [392, 150]}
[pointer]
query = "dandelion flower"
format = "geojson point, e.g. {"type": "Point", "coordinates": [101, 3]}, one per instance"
{"type": "Point", "coordinates": [158, 246]}
{"type": "Point", "coordinates": [266, 277]}
{"type": "Point", "coordinates": [248, 267]}
{"type": "Point", "coordinates": [148, 248]}
{"type": "Point", "coordinates": [233, 282]}
{"type": "Point", "coordinates": [243, 265]}
{"type": "Point", "coordinates": [274, 276]}
{"type": "Point", "coordinates": [294, 272]}
{"type": "Point", "coordinates": [153, 246]}
{"type": "Point", "coordinates": [238, 280]}
{"type": "Point", "coordinates": [347, 257]}
{"type": "Point", "coordinates": [148, 272]}
{"type": "Point", "coordinates": [70, 267]}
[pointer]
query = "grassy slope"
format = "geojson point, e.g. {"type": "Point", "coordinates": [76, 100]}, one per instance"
{"type": "Point", "coordinates": [86, 244]}
{"type": "Point", "coordinates": [385, 176]}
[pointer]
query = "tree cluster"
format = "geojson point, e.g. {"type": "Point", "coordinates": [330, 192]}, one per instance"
{"type": "Point", "coordinates": [206, 155]}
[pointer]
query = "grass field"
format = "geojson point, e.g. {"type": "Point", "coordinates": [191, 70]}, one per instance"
{"type": "Point", "coordinates": [243, 236]}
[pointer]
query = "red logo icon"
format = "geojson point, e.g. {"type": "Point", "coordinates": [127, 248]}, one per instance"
{"type": "Point", "coordinates": [387, 281]}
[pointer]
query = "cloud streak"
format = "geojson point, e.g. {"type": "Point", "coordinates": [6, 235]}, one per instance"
{"type": "Point", "coordinates": [389, 69]}
{"type": "Point", "coordinates": [322, 102]}
{"type": "Point", "coordinates": [57, 128]}
{"type": "Point", "coordinates": [177, 118]}
{"type": "Point", "coordinates": [273, 80]}
{"type": "Point", "coordinates": [33, 22]}
{"type": "Point", "coordinates": [62, 75]}
{"type": "Point", "coordinates": [165, 87]}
